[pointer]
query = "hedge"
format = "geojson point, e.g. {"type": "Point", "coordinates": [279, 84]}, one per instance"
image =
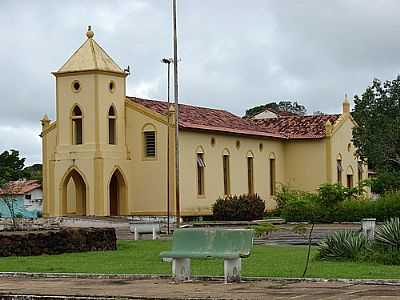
{"type": "Point", "coordinates": [307, 208]}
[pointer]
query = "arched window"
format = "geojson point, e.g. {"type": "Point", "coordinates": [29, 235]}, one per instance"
{"type": "Point", "coordinates": [339, 168]}
{"type": "Point", "coordinates": [226, 170]}
{"type": "Point", "coordinates": [272, 174]}
{"type": "Point", "coordinates": [250, 172]}
{"type": "Point", "coordinates": [112, 136]}
{"type": "Point", "coordinates": [200, 171]}
{"type": "Point", "coordinates": [149, 142]}
{"type": "Point", "coordinates": [349, 177]}
{"type": "Point", "coordinates": [77, 126]}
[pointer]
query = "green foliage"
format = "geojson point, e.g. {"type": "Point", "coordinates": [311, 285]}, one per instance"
{"type": "Point", "coordinates": [282, 106]}
{"type": "Point", "coordinates": [34, 172]}
{"type": "Point", "coordinates": [286, 195]}
{"type": "Point", "coordinates": [331, 194]}
{"type": "Point", "coordinates": [334, 203]}
{"type": "Point", "coordinates": [355, 246]}
{"type": "Point", "coordinates": [11, 166]}
{"type": "Point", "coordinates": [345, 244]}
{"type": "Point", "coordinates": [299, 229]}
{"type": "Point", "coordinates": [239, 208]}
{"type": "Point", "coordinates": [377, 112]}
{"type": "Point", "coordinates": [301, 208]}
{"type": "Point", "coordinates": [389, 233]}
{"type": "Point", "coordinates": [264, 229]}
{"type": "Point", "coordinates": [386, 182]}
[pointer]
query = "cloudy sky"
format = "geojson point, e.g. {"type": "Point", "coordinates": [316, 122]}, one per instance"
{"type": "Point", "coordinates": [234, 54]}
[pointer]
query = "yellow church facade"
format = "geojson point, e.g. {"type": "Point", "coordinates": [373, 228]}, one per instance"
{"type": "Point", "coordinates": [107, 153]}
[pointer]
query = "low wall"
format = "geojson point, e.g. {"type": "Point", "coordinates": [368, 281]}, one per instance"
{"type": "Point", "coordinates": [57, 241]}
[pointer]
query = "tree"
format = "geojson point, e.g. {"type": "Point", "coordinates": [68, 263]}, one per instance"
{"type": "Point", "coordinates": [11, 166]}
{"type": "Point", "coordinates": [7, 196]}
{"type": "Point", "coordinates": [11, 169]}
{"type": "Point", "coordinates": [282, 106]}
{"type": "Point", "coordinates": [377, 137]}
{"type": "Point", "coordinates": [34, 172]}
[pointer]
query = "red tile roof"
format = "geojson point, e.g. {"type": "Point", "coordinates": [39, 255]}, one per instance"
{"type": "Point", "coordinates": [201, 118]}
{"type": "Point", "coordinates": [285, 127]}
{"type": "Point", "coordinates": [298, 127]}
{"type": "Point", "coordinates": [21, 187]}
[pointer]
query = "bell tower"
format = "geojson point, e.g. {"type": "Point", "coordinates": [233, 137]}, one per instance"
{"type": "Point", "coordinates": [90, 127]}
{"type": "Point", "coordinates": [90, 91]}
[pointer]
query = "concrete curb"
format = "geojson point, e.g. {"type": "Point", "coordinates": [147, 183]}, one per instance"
{"type": "Point", "coordinates": [393, 282]}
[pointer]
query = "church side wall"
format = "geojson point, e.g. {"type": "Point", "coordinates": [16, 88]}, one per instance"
{"type": "Point", "coordinates": [190, 142]}
{"type": "Point", "coordinates": [341, 139]}
{"type": "Point", "coordinates": [148, 177]}
{"type": "Point", "coordinates": [49, 141]}
{"type": "Point", "coordinates": [305, 164]}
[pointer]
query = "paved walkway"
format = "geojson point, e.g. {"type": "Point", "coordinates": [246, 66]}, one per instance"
{"type": "Point", "coordinates": [165, 289]}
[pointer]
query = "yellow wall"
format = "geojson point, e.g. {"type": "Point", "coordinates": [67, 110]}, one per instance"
{"type": "Point", "coordinates": [305, 163]}
{"type": "Point", "coordinates": [341, 139]}
{"type": "Point", "coordinates": [149, 176]}
{"type": "Point", "coordinates": [190, 141]}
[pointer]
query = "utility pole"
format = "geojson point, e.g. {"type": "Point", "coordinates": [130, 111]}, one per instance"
{"type": "Point", "coordinates": [177, 196]}
{"type": "Point", "coordinates": [168, 61]}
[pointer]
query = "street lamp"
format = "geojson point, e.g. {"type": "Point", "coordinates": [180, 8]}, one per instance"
{"type": "Point", "coordinates": [168, 61]}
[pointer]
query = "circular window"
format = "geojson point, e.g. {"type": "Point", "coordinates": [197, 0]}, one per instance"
{"type": "Point", "coordinates": [111, 86]}
{"type": "Point", "coordinates": [76, 86]}
{"type": "Point", "coordinates": [237, 144]}
{"type": "Point", "coordinates": [213, 142]}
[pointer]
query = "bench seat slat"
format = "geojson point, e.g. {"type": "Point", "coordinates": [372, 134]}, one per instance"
{"type": "Point", "coordinates": [224, 255]}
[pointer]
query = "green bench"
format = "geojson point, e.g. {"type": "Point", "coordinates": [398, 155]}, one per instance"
{"type": "Point", "coordinates": [228, 244]}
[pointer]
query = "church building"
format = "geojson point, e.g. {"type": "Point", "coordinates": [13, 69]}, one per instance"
{"type": "Point", "coordinates": [106, 154]}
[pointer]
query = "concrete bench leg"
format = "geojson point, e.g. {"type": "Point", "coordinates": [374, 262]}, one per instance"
{"type": "Point", "coordinates": [232, 270]}
{"type": "Point", "coordinates": [181, 269]}
{"type": "Point", "coordinates": [137, 235]}
{"type": "Point", "coordinates": [154, 234]}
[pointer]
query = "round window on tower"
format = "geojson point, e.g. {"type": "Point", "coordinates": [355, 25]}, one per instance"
{"type": "Point", "coordinates": [76, 86]}
{"type": "Point", "coordinates": [111, 86]}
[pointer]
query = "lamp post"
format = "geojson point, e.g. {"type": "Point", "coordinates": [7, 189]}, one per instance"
{"type": "Point", "coordinates": [168, 61]}
{"type": "Point", "coordinates": [175, 39]}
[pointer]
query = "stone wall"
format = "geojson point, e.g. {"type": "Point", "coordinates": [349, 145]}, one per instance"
{"type": "Point", "coordinates": [59, 241]}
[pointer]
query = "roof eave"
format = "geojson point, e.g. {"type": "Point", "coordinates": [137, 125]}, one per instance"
{"type": "Point", "coordinates": [89, 71]}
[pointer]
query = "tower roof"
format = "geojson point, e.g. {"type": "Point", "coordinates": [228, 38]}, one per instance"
{"type": "Point", "coordinates": [89, 57]}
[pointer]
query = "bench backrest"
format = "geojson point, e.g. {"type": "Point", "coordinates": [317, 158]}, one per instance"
{"type": "Point", "coordinates": [213, 240]}
{"type": "Point", "coordinates": [145, 227]}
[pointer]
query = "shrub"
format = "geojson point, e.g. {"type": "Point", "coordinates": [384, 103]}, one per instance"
{"type": "Point", "coordinates": [343, 245]}
{"type": "Point", "coordinates": [286, 195]}
{"type": "Point", "coordinates": [263, 230]}
{"type": "Point", "coordinates": [388, 234]}
{"type": "Point", "coordinates": [386, 182]}
{"type": "Point", "coordinates": [332, 194]}
{"type": "Point", "coordinates": [239, 208]}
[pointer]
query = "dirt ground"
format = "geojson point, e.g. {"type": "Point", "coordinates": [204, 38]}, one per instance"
{"type": "Point", "coordinates": [165, 289]}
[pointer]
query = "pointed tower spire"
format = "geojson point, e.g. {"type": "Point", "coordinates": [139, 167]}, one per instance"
{"type": "Point", "coordinates": [90, 57]}
{"type": "Point", "coordinates": [89, 33]}
{"type": "Point", "coordinates": [346, 105]}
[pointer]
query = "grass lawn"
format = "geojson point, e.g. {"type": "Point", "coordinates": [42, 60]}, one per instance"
{"type": "Point", "coordinates": [142, 257]}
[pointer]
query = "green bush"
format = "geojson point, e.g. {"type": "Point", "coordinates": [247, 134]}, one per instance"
{"type": "Point", "coordinates": [388, 234]}
{"type": "Point", "coordinates": [239, 208]}
{"type": "Point", "coordinates": [332, 194]}
{"type": "Point", "coordinates": [262, 230]}
{"type": "Point", "coordinates": [333, 203]}
{"type": "Point", "coordinates": [343, 245]}
{"type": "Point", "coordinates": [386, 182]}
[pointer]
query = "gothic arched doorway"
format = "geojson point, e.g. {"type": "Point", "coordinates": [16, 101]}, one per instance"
{"type": "Point", "coordinates": [117, 193]}
{"type": "Point", "coordinates": [74, 194]}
